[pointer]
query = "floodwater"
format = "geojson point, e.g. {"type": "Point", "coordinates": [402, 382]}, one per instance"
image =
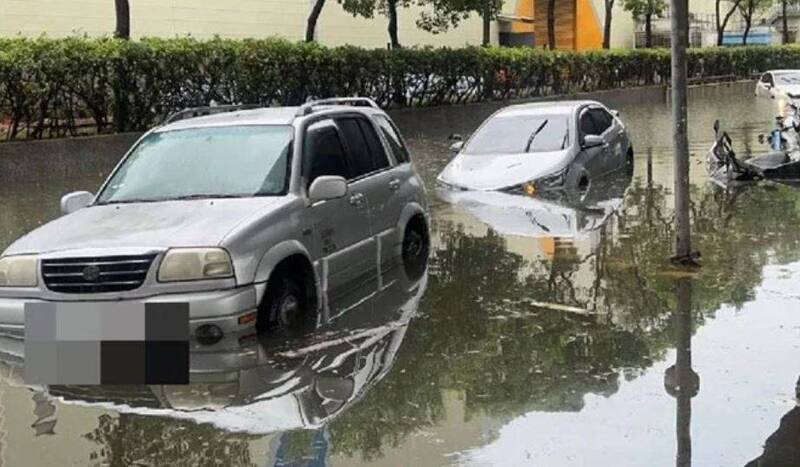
{"type": "Point", "coordinates": [544, 334]}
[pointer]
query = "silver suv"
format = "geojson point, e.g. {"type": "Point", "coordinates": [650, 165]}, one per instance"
{"type": "Point", "coordinates": [252, 217]}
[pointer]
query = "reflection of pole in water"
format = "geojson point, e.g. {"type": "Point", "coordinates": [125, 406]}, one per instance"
{"type": "Point", "coordinates": [649, 167]}
{"type": "Point", "coordinates": [680, 380]}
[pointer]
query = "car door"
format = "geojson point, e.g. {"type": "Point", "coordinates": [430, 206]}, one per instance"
{"type": "Point", "coordinates": [589, 158]}
{"type": "Point", "coordinates": [605, 124]}
{"type": "Point", "coordinates": [764, 87]}
{"type": "Point", "coordinates": [341, 228]}
{"type": "Point", "coordinates": [377, 178]}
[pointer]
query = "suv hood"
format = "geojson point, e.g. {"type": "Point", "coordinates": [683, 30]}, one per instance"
{"type": "Point", "coordinates": [162, 224]}
{"type": "Point", "coordinates": [496, 172]}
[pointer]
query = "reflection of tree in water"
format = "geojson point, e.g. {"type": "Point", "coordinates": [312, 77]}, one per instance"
{"type": "Point", "coordinates": [130, 440]}
{"type": "Point", "coordinates": [481, 335]}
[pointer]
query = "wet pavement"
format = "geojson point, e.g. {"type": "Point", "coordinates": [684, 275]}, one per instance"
{"type": "Point", "coordinates": [546, 332]}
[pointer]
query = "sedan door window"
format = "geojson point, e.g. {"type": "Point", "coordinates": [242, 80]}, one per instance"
{"type": "Point", "coordinates": [587, 124]}
{"type": "Point", "coordinates": [602, 120]}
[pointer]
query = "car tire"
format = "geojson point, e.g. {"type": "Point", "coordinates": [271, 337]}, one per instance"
{"type": "Point", "coordinates": [285, 309]}
{"type": "Point", "coordinates": [629, 162]}
{"type": "Point", "coordinates": [416, 248]}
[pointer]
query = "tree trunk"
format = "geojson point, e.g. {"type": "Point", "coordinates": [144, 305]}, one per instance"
{"type": "Point", "coordinates": [747, 22]}
{"type": "Point", "coordinates": [392, 7]}
{"type": "Point", "coordinates": [551, 24]}
{"type": "Point", "coordinates": [721, 26]}
{"type": "Point", "coordinates": [311, 26]}
{"type": "Point", "coordinates": [123, 10]}
{"type": "Point", "coordinates": [720, 29]}
{"type": "Point", "coordinates": [648, 30]}
{"type": "Point", "coordinates": [607, 25]}
{"type": "Point", "coordinates": [487, 24]}
{"type": "Point", "coordinates": [785, 22]}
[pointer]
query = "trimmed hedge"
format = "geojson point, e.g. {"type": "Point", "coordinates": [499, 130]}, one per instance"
{"type": "Point", "coordinates": [52, 87]}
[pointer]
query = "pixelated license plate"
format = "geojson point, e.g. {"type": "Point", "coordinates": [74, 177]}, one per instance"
{"type": "Point", "coordinates": [106, 343]}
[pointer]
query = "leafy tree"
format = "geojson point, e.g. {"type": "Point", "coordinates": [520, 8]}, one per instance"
{"type": "Point", "coordinates": [645, 10]}
{"type": "Point", "coordinates": [368, 8]}
{"type": "Point", "coordinates": [722, 22]}
{"type": "Point", "coordinates": [446, 14]}
{"type": "Point", "coordinates": [123, 30]}
{"type": "Point", "coordinates": [748, 8]}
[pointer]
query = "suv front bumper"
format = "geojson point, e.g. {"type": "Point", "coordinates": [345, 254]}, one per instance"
{"type": "Point", "coordinates": [222, 308]}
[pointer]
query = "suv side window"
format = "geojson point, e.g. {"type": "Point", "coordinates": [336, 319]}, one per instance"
{"type": "Point", "coordinates": [602, 120]}
{"type": "Point", "coordinates": [587, 124]}
{"type": "Point", "coordinates": [323, 153]}
{"type": "Point", "coordinates": [393, 137]}
{"type": "Point", "coordinates": [364, 155]}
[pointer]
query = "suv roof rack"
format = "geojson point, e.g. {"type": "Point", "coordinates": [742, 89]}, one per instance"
{"type": "Point", "coordinates": [308, 107]}
{"type": "Point", "coordinates": [206, 110]}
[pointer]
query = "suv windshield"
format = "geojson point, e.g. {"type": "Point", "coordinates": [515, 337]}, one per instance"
{"type": "Point", "coordinates": [218, 162]}
{"type": "Point", "coordinates": [517, 134]}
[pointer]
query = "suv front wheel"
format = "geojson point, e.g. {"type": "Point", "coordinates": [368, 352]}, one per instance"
{"type": "Point", "coordinates": [286, 308]}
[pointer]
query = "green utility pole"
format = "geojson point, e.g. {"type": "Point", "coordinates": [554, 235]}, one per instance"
{"type": "Point", "coordinates": [680, 41]}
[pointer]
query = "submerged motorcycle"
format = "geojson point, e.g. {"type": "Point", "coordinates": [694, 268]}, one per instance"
{"type": "Point", "coordinates": [781, 161]}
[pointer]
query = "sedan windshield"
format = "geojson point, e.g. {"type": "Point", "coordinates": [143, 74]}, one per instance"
{"type": "Point", "coordinates": [787, 78]}
{"type": "Point", "coordinates": [515, 133]}
{"type": "Point", "coordinates": [218, 162]}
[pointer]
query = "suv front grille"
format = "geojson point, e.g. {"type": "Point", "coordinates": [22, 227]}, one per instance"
{"type": "Point", "coordinates": [95, 275]}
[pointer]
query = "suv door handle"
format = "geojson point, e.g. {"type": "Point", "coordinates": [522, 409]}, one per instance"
{"type": "Point", "coordinates": [394, 184]}
{"type": "Point", "coordinates": [357, 199]}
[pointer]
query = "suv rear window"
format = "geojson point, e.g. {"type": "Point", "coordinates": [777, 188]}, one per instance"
{"type": "Point", "coordinates": [393, 137]}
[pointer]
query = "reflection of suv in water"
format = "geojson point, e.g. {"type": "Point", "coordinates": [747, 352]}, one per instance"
{"type": "Point", "coordinates": [250, 216]}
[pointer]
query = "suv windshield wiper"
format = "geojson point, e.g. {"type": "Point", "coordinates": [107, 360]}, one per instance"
{"type": "Point", "coordinates": [172, 198]}
{"type": "Point", "coordinates": [206, 196]}
{"type": "Point", "coordinates": [534, 134]}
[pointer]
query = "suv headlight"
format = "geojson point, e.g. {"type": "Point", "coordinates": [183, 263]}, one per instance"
{"type": "Point", "coordinates": [19, 271]}
{"type": "Point", "coordinates": [192, 264]}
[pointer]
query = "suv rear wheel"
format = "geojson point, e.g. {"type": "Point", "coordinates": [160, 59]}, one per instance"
{"type": "Point", "coordinates": [416, 247]}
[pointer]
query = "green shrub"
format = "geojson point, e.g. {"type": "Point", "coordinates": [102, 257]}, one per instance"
{"type": "Point", "coordinates": [50, 87]}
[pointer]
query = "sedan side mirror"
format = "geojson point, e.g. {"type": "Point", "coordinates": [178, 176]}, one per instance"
{"type": "Point", "coordinates": [590, 141]}
{"type": "Point", "coordinates": [327, 187]}
{"type": "Point", "coordinates": [75, 201]}
{"type": "Point", "coordinates": [455, 148]}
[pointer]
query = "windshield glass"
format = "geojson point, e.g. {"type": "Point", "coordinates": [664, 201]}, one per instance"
{"type": "Point", "coordinates": [514, 133]}
{"type": "Point", "coordinates": [787, 78]}
{"type": "Point", "coordinates": [233, 161]}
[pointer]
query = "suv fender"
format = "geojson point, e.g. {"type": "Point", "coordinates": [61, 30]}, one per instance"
{"type": "Point", "coordinates": [278, 253]}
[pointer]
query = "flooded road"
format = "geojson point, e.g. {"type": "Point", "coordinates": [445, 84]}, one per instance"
{"type": "Point", "coordinates": [544, 334]}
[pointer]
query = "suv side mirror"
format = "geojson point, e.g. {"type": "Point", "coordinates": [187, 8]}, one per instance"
{"type": "Point", "coordinates": [455, 137]}
{"type": "Point", "coordinates": [614, 112]}
{"type": "Point", "coordinates": [327, 187]}
{"type": "Point", "coordinates": [455, 148]}
{"type": "Point", "coordinates": [75, 201]}
{"type": "Point", "coordinates": [590, 141]}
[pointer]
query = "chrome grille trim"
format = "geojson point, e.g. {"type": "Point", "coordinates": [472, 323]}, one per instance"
{"type": "Point", "coordinates": [111, 273]}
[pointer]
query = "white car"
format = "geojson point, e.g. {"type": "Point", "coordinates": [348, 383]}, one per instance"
{"type": "Point", "coordinates": [777, 84]}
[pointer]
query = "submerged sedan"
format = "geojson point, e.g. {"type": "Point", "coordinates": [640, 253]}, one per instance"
{"type": "Point", "coordinates": [537, 147]}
